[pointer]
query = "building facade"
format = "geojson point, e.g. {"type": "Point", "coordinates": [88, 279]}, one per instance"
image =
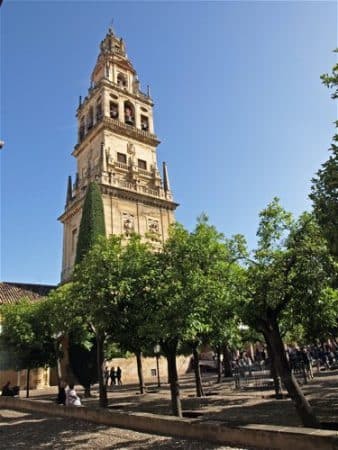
{"type": "Point", "coordinates": [117, 148]}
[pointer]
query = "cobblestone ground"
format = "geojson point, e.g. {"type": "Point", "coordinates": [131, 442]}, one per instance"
{"type": "Point", "coordinates": [22, 430]}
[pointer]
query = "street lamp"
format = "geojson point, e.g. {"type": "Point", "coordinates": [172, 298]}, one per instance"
{"type": "Point", "coordinates": [157, 351]}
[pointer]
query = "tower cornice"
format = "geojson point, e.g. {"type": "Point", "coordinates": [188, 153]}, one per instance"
{"type": "Point", "coordinates": [121, 193]}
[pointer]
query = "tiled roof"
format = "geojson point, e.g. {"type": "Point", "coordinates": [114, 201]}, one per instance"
{"type": "Point", "coordinates": [13, 292]}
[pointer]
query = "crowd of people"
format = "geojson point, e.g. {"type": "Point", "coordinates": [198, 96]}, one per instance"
{"type": "Point", "coordinates": [323, 357]}
{"type": "Point", "coordinates": [113, 376]}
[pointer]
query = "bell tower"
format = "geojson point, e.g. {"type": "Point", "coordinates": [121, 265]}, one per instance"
{"type": "Point", "coordinates": [117, 148]}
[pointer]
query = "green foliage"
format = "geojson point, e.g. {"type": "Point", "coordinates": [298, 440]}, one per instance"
{"type": "Point", "coordinates": [137, 262]}
{"type": "Point", "coordinates": [97, 285]}
{"type": "Point", "coordinates": [60, 313]}
{"type": "Point", "coordinates": [92, 221]}
{"type": "Point", "coordinates": [324, 194]}
{"type": "Point", "coordinates": [290, 269]}
{"type": "Point", "coordinates": [92, 226]}
{"type": "Point", "coordinates": [324, 190]}
{"type": "Point", "coordinates": [27, 335]}
{"type": "Point", "coordinates": [83, 362]}
{"type": "Point", "coordinates": [193, 284]}
{"type": "Point", "coordinates": [113, 350]}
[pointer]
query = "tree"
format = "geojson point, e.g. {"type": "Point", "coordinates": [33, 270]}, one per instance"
{"type": "Point", "coordinates": [324, 191]}
{"type": "Point", "coordinates": [60, 318]}
{"type": "Point", "coordinates": [83, 356]}
{"type": "Point", "coordinates": [312, 326]}
{"type": "Point", "coordinates": [289, 271]}
{"type": "Point", "coordinates": [96, 294]}
{"type": "Point", "coordinates": [26, 335]}
{"type": "Point", "coordinates": [215, 289]}
{"type": "Point", "coordinates": [136, 265]}
{"type": "Point", "coordinates": [92, 222]}
{"type": "Point", "coordinates": [188, 276]}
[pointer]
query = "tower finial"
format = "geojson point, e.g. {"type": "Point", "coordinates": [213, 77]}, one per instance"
{"type": "Point", "coordinates": [111, 26]}
{"type": "Point", "coordinates": [69, 190]}
{"type": "Point", "coordinates": [166, 184]}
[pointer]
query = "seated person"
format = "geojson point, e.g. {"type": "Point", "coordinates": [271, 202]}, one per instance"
{"type": "Point", "coordinates": [72, 399]}
{"type": "Point", "coordinates": [7, 390]}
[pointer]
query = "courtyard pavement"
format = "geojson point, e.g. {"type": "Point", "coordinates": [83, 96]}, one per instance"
{"type": "Point", "coordinates": [222, 403]}
{"type": "Point", "coordinates": [28, 431]}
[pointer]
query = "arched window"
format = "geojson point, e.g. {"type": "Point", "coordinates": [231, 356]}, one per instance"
{"type": "Point", "coordinates": [122, 80]}
{"type": "Point", "coordinates": [114, 110]}
{"type": "Point", "coordinates": [144, 123]}
{"type": "Point", "coordinates": [129, 113]}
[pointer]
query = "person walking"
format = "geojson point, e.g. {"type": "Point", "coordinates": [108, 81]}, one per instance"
{"type": "Point", "coordinates": [119, 375]}
{"type": "Point", "coordinates": [106, 375]}
{"type": "Point", "coordinates": [113, 376]}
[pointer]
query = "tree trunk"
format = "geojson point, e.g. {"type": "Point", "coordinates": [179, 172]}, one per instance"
{"type": "Point", "coordinates": [27, 382]}
{"type": "Point", "coordinates": [170, 352]}
{"type": "Point", "coordinates": [227, 362]}
{"type": "Point", "coordinates": [274, 373]}
{"type": "Point", "coordinates": [303, 407]}
{"type": "Point", "coordinates": [87, 392]}
{"type": "Point", "coordinates": [219, 365]}
{"type": "Point", "coordinates": [100, 359]}
{"type": "Point", "coordinates": [197, 371]}
{"type": "Point", "coordinates": [140, 371]}
{"type": "Point", "coordinates": [58, 366]}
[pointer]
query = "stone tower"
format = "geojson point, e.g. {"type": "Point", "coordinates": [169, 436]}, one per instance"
{"type": "Point", "coordinates": [117, 148]}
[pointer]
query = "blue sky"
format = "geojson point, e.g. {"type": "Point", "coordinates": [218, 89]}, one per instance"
{"type": "Point", "coordinates": [239, 109]}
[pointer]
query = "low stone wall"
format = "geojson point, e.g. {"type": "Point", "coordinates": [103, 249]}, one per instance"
{"type": "Point", "coordinates": [260, 436]}
{"type": "Point", "coordinates": [129, 368]}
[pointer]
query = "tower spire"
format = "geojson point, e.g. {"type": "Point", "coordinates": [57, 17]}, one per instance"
{"type": "Point", "coordinates": [166, 184]}
{"type": "Point", "coordinates": [69, 190]}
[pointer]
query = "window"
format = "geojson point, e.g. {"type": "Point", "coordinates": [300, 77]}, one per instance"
{"type": "Point", "coordinates": [114, 110]}
{"type": "Point", "coordinates": [129, 113]}
{"type": "Point", "coordinates": [142, 164]}
{"type": "Point", "coordinates": [121, 80]}
{"type": "Point", "coordinates": [144, 123]}
{"type": "Point", "coordinates": [122, 158]}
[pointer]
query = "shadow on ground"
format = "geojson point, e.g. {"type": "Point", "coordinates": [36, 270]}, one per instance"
{"type": "Point", "coordinates": [24, 430]}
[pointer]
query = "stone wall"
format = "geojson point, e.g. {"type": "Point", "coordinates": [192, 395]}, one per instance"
{"type": "Point", "coordinates": [129, 368]}
{"type": "Point", "coordinates": [38, 379]}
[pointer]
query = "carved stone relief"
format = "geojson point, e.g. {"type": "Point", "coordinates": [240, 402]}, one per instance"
{"type": "Point", "coordinates": [153, 225]}
{"type": "Point", "coordinates": [128, 224]}
{"type": "Point", "coordinates": [131, 148]}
